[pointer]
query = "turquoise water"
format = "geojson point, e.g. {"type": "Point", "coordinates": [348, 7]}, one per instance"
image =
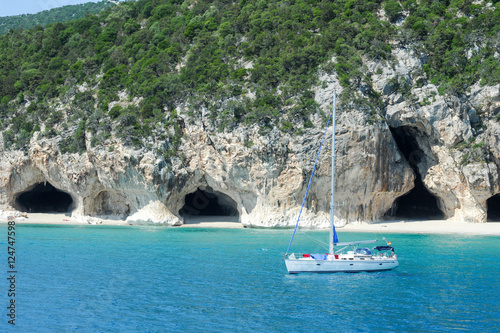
{"type": "Point", "coordinates": [159, 279]}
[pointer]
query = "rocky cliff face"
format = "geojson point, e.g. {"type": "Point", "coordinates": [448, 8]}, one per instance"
{"type": "Point", "coordinates": [427, 156]}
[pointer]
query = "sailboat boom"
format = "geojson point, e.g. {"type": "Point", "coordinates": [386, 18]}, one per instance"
{"type": "Point", "coordinates": [356, 243]}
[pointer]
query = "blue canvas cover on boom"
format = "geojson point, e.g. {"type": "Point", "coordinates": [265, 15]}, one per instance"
{"type": "Point", "coordinates": [384, 248]}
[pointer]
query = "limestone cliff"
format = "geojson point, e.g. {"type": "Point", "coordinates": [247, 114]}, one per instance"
{"type": "Point", "coordinates": [441, 148]}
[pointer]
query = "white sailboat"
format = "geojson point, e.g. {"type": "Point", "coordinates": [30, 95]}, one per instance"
{"type": "Point", "coordinates": [342, 256]}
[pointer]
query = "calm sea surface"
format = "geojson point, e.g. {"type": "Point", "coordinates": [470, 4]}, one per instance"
{"type": "Point", "coordinates": [161, 279]}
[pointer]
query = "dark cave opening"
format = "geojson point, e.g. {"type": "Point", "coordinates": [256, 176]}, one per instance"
{"type": "Point", "coordinates": [110, 203]}
{"type": "Point", "coordinates": [208, 203]}
{"type": "Point", "coordinates": [493, 208]}
{"type": "Point", "coordinates": [44, 198]}
{"type": "Point", "coordinates": [419, 203]}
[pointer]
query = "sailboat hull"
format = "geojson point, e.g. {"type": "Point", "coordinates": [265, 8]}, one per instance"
{"type": "Point", "coordinates": [332, 266]}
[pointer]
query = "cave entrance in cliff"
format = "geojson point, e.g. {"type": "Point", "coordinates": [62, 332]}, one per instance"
{"type": "Point", "coordinates": [493, 208]}
{"type": "Point", "coordinates": [207, 204]}
{"type": "Point", "coordinates": [419, 203]}
{"type": "Point", "coordinates": [44, 198]}
{"type": "Point", "coordinates": [107, 203]}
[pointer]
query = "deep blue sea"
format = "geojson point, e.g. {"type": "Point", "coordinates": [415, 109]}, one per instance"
{"type": "Point", "coordinates": [164, 279]}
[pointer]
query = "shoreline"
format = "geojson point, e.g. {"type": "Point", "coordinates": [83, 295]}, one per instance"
{"type": "Point", "coordinates": [405, 227]}
{"type": "Point", "coordinates": [426, 227]}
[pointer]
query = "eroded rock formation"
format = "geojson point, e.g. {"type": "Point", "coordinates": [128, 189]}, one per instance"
{"type": "Point", "coordinates": [445, 150]}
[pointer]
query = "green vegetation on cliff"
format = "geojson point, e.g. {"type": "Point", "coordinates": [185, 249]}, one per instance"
{"type": "Point", "coordinates": [60, 14]}
{"type": "Point", "coordinates": [247, 62]}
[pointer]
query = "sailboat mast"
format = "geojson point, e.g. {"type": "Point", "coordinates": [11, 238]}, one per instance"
{"type": "Point", "coordinates": [332, 226]}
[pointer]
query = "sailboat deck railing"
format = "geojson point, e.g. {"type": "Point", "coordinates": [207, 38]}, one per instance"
{"type": "Point", "coordinates": [307, 256]}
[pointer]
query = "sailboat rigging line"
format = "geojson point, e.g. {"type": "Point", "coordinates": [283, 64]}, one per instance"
{"type": "Point", "coordinates": [324, 244]}
{"type": "Point", "coordinates": [309, 185]}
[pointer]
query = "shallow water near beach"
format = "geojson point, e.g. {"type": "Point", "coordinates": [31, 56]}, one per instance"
{"type": "Point", "coordinates": [160, 279]}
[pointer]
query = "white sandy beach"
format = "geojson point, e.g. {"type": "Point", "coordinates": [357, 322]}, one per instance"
{"type": "Point", "coordinates": [424, 227]}
{"type": "Point", "coordinates": [65, 219]}
{"type": "Point", "coordinates": [212, 222]}
{"type": "Point", "coordinates": [61, 218]}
